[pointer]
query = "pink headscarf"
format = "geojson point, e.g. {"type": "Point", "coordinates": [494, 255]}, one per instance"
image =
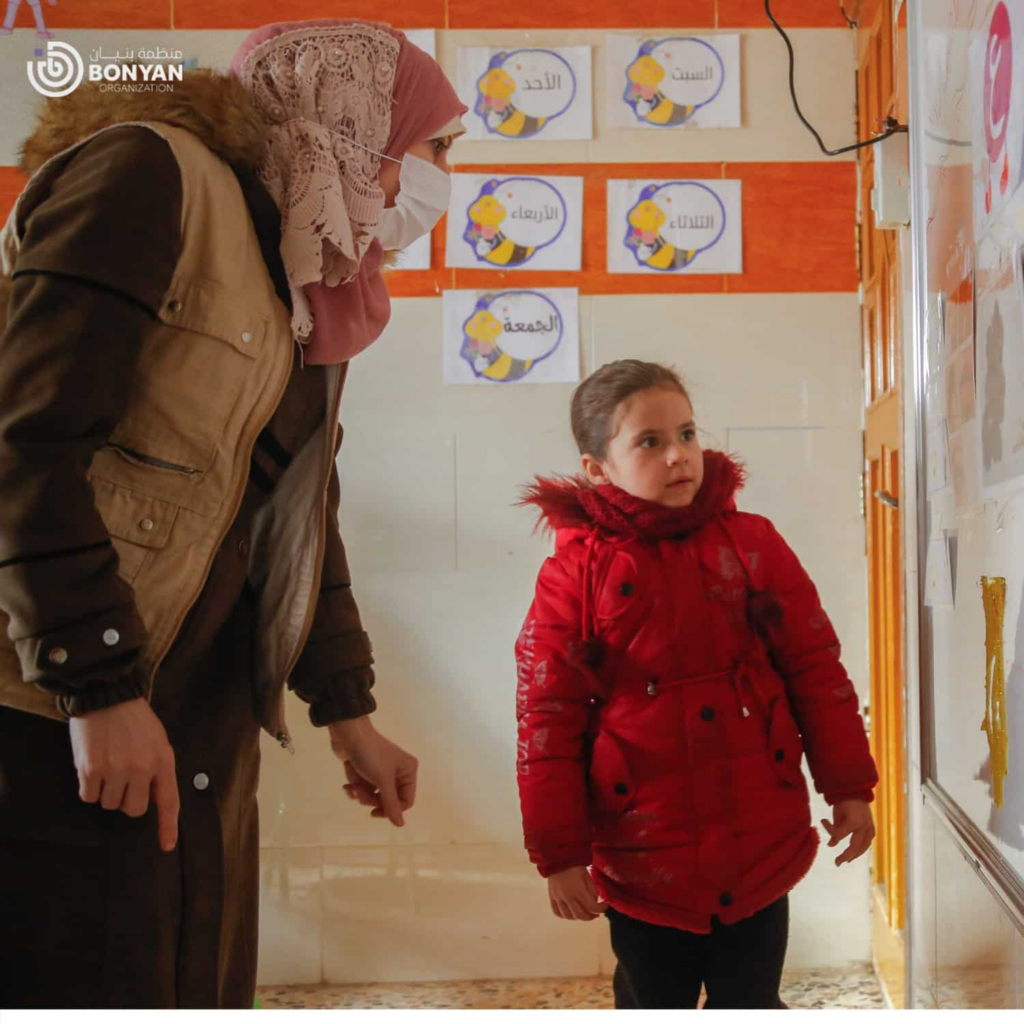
{"type": "Point", "coordinates": [340, 299]}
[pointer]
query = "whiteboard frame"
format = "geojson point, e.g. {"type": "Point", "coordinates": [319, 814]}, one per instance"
{"type": "Point", "coordinates": [992, 868]}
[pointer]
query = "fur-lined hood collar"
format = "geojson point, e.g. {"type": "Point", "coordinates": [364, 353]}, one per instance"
{"type": "Point", "coordinates": [569, 505]}
{"type": "Point", "coordinates": [213, 105]}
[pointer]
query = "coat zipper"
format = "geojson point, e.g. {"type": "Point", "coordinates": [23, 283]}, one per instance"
{"type": "Point", "coordinates": [148, 460]}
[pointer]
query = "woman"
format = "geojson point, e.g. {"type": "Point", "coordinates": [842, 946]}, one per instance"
{"type": "Point", "coordinates": [169, 546]}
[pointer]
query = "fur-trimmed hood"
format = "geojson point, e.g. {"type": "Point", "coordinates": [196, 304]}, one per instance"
{"type": "Point", "coordinates": [568, 504]}
{"type": "Point", "coordinates": [213, 105]}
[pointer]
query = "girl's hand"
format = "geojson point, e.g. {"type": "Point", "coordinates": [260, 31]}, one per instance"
{"type": "Point", "coordinates": [574, 896]}
{"type": "Point", "coordinates": [851, 818]}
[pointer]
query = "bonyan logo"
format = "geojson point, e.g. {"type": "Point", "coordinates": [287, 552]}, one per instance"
{"type": "Point", "coordinates": [60, 73]}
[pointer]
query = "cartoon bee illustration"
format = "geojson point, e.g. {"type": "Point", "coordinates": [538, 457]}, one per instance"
{"type": "Point", "coordinates": [495, 106]}
{"type": "Point", "coordinates": [647, 220]}
{"type": "Point", "coordinates": [484, 233]}
{"type": "Point", "coordinates": [481, 351]}
{"type": "Point", "coordinates": [644, 94]}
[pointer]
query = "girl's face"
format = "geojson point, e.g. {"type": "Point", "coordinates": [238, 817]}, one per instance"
{"type": "Point", "coordinates": [654, 453]}
{"type": "Point", "coordinates": [434, 151]}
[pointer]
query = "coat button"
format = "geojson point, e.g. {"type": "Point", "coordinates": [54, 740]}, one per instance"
{"type": "Point", "coordinates": [246, 337]}
{"type": "Point", "coordinates": [243, 548]}
{"type": "Point", "coordinates": [58, 656]}
{"type": "Point", "coordinates": [111, 637]}
{"type": "Point", "coordinates": [201, 781]}
{"type": "Point", "coordinates": [707, 714]}
{"type": "Point", "coordinates": [626, 589]}
{"type": "Point", "coordinates": [174, 305]}
{"type": "Point", "coordinates": [146, 525]}
{"type": "Point", "coordinates": [780, 755]}
{"type": "Point", "coordinates": [725, 899]}
{"type": "Point", "coordinates": [621, 788]}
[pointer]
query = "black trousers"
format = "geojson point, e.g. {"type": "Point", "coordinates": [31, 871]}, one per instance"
{"type": "Point", "coordinates": [740, 964]}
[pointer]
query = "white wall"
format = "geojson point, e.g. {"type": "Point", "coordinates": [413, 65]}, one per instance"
{"type": "Point", "coordinates": [444, 568]}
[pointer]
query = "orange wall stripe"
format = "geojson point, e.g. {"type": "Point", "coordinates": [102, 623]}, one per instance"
{"type": "Point", "coordinates": [115, 14]}
{"type": "Point", "coordinates": [798, 234]}
{"type": "Point", "coordinates": [486, 14]}
{"type": "Point", "coordinates": [236, 14]}
{"type": "Point", "coordinates": [788, 13]}
{"type": "Point", "coordinates": [12, 181]}
{"type": "Point", "coordinates": [527, 14]}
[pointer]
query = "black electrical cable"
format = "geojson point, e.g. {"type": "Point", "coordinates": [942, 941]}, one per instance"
{"type": "Point", "coordinates": [893, 127]}
{"type": "Point", "coordinates": [849, 20]}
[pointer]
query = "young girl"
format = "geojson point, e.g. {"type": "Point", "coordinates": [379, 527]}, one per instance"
{"type": "Point", "coordinates": [673, 669]}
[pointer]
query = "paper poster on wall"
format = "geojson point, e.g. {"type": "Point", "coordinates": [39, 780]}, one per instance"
{"type": "Point", "coordinates": [958, 470]}
{"type": "Point", "coordinates": [672, 81]}
{"type": "Point", "coordinates": [512, 336]}
{"type": "Point", "coordinates": [997, 77]}
{"type": "Point", "coordinates": [1000, 359]}
{"type": "Point", "coordinates": [417, 255]}
{"type": "Point", "coordinates": [527, 93]}
{"type": "Point", "coordinates": [515, 222]}
{"type": "Point", "coordinates": [938, 458]}
{"type": "Point", "coordinates": [659, 227]}
{"type": "Point", "coordinates": [960, 397]}
{"type": "Point", "coordinates": [938, 577]}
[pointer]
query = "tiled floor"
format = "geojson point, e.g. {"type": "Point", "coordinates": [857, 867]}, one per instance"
{"type": "Point", "coordinates": [855, 989]}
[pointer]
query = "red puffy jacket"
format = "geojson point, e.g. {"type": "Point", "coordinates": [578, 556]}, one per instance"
{"type": "Point", "coordinates": [673, 669]}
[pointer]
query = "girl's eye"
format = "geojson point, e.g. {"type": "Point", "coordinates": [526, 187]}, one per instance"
{"type": "Point", "coordinates": [648, 442]}
{"type": "Point", "coordinates": [689, 435]}
{"type": "Point", "coordinates": [440, 145]}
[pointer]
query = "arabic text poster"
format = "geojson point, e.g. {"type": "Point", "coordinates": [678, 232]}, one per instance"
{"type": "Point", "coordinates": [512, 336]}
{"type": "Point", "coordinates": [515, 222]}
{"type": "Point", "coordinates": [530, 93]}
{"type": "Point", "coordinates": [675, 227]}
{"type": "Point", "coordinates": [672, 81]}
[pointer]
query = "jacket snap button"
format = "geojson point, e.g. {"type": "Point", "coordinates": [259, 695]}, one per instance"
{"type": "Point", "coordinates": [780, 755]}
{"type": "Point", "coordinates": [707, 714]}
{"type": "Point", "coordinates": [146, 525]}
{"type": "Point", "coordinates": [246, 337]}
{"type": "Point", "coordinates": [725, 899]}
{"type": "Point", "coordinates": [626, 589]}
{"type": "Point", "coordinates": [111, 637]}
{"type": "Point", "coordinates": [243, 548]}
{"type": "Point", "coordinates": [621, 788]}
{"type": "Point", "coordinates": [201, 781]}
{"type": "Point", "coordinates": [58, 656]}
{"type": "Point", "coordinates": [174, 305]}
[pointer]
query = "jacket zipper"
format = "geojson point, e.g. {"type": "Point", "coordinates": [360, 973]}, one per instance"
{"type": "Point", "coordinates": [148, 460]}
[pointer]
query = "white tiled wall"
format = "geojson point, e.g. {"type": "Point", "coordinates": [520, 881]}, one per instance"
{"type": "Point", "coordinates": [444, 567]}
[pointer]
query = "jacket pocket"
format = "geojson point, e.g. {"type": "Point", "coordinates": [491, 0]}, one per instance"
{"type": "Point", "coordinates": [611, 784]}
{"type": "Point", "coordinates": [193, 369]}
{"type": "Point", "coordinates": [139, 526]}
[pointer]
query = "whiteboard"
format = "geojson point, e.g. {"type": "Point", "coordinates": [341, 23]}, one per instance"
{"type": "Point", "coordinates": [967, 144]}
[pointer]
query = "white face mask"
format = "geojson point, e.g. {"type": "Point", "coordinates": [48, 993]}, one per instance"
{"type": "Point", "coordinates": [423, 197]}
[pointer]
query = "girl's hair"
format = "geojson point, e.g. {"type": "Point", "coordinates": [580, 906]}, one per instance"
{"type": "Point", "coordinates": [594, 402]}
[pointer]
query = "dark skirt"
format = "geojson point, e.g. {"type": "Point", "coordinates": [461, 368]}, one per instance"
{"type": "Point", "coordinates": [92, 913]}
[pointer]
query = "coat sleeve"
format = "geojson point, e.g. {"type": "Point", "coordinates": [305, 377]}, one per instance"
{"type": "Point", "coordinates": [98, 253]}
{"type": "Point", "coordinates": [553, 703]}
{"type": "Point", "coordinates": [807, 652]}
{"type": "Point", "coordinates": [334, 674]}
